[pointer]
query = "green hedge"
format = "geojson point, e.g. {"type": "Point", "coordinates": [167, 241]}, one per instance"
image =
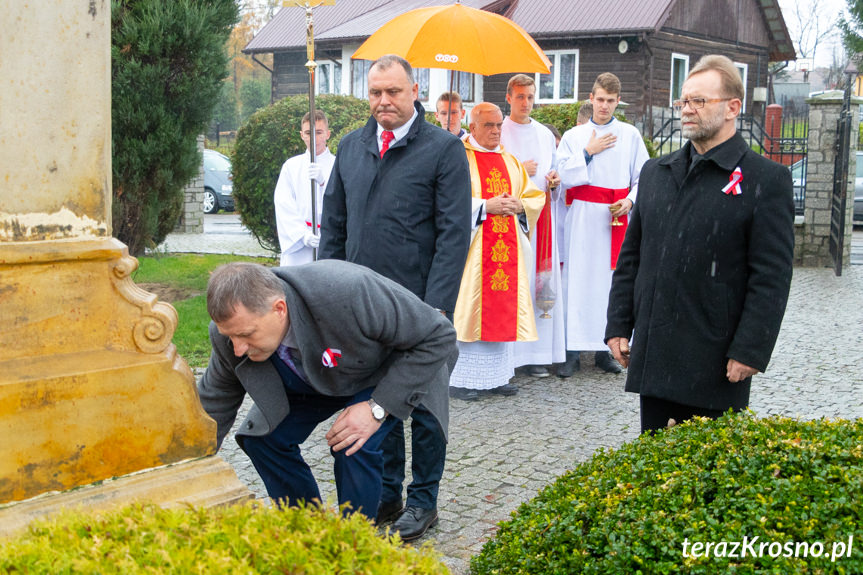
{"type": "Point", "coordinates": [271, 136]}
{"type": "Point", "coordinates": [785, 482]}
{"type": "Point", "coordinates": [245, 539]}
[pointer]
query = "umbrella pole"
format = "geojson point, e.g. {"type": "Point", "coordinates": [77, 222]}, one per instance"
{"type": "Point", "coordinates": [449, 103]}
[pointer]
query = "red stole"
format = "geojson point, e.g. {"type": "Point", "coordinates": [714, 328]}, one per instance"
{"type": "Point", "coordinates": [597, 195]}
{"type": "Point", "coordinates": [499, 318]}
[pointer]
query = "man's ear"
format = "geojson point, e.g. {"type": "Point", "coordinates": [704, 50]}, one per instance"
{"type": "Point", "coordinates": [280, 307]}
{"type": "Point", "coordinates": [735, 106]}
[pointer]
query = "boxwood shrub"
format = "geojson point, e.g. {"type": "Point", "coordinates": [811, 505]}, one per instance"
{"type": "Point", "coordinates": [247, 539]}
{"type": "Point", "coordinates": [271, 136]}
{"type": "Point", "coordinates": [783, 494]}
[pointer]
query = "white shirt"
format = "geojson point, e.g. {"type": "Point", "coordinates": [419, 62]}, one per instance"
{"type": "Point", "coordinates": [293, 204]}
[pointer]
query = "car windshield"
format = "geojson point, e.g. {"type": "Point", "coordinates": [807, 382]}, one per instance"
{"type": "Point", "coordinates": [217, 162]}
{"type": "Point", "coordinates": [859, 166]}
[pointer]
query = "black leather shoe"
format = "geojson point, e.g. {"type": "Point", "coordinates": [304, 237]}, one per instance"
{"type": "Point", "coordinates": [414, 522]}
{"type": "Point", "coordinates": [463, 393]}
{"type": "Point", "coordinates": [508, 389]}
{"type": "Point", "coordinates": [572, 364]}
{"type": "Point", "coordinates": [606, 363]}
{"type": "Point", "coordinates": [388, 511]}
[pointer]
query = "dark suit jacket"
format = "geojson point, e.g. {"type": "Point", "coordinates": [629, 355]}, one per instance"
{"type": "Point", "coordinates": [703, 276]}
{"type": "Point", "coordinates": [389, 340]}
{"type": "Point", "coordinates": [406, 216]}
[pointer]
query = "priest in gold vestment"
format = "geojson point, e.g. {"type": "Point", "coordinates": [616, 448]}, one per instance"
{"type": "Point", "coordinates": [494, 307]}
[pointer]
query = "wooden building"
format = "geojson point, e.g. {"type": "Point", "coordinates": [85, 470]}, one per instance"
{"type": "Point", "coordinates": [649, 44]}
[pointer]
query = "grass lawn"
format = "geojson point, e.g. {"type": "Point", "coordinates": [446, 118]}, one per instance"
{"type": "Point", "coordinates": [181, 280]}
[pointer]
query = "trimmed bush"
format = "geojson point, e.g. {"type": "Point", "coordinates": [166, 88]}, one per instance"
{"type": "Point", "coordinates": [271, 136]}
{"type": "Point", "coordinates": [793, 485]}
{"type": "Point", "coordinates": [246, 539]}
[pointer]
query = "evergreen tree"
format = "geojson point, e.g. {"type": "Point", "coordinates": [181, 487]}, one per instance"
{"type": "Point", "coordinates": [168, 62]}
{"type": "Point", "coordinates": [851, 25]}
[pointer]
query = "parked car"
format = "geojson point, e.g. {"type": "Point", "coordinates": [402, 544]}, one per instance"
{"type": "Point", "coordinates": [218, 187]}
{"type": "Point", "coordinates": [798, 175]}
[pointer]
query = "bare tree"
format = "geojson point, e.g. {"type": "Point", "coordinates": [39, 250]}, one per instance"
{"type": "Point", "coordinates": [810, 22]}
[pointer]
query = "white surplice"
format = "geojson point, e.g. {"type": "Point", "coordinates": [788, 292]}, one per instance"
{"type": "Point", "coordinates": [293, 200]}
{"type": "Point", "coordinates": [587, 227]}
{"type": "Point", "coordinates": [534, 141]}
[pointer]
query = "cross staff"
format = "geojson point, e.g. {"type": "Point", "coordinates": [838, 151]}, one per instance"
{"type": "Point", "coordinates": [311, 65]}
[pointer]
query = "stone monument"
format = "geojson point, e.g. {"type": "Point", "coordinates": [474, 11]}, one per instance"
{"type": "Point", "coordinates": [92, 391]}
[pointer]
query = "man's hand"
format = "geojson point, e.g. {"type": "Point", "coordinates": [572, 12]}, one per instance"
{"type": "Point", "coordinates": [503, 205]}
{"type": "Point", "coordinates": [552, 179]}
{"type": "Point", "coordinates": [530, 166]}
{"type": "Point", "coordinates": [621, 207]}
{"type": "Point", "coordinates": [311, 240]}
{"type": "Point", "coordinates": [736, 371]}
{"type": "Point", "coordinates": [619, 347]}
{"type": "Point", "coordinates": [353, 427]}
{"type": "Point", "coordinates": [596, 145]}
{"type": "Point", "coordinates": [316, 172]}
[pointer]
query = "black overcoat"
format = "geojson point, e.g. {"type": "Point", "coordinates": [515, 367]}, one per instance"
{"type": "Point", "coordinates": [407, 215]}
{"type": "Point", "coordinates": [703, 276]}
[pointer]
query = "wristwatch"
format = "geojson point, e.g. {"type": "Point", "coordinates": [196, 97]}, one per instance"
{"type": "Point", "coordinates": [378, 412]}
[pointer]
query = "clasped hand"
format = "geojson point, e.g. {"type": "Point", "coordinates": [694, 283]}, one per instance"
{"type": "Point", "coordinates": [503, 205]}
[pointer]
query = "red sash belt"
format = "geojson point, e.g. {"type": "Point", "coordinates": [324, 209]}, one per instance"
{"type": "Point", "coordinates": [597, 195]}
{"type": "Point", "coordinates": [309, 224]}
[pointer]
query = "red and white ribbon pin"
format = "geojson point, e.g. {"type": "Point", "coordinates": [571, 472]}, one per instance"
{"type": "Point", "coordinates": [331, 357]}
{"type": "Point", "coordinates": [733, 186]}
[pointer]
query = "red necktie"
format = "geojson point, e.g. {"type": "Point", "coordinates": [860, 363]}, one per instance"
{"type": "Point", "coordinates": [386, 138]}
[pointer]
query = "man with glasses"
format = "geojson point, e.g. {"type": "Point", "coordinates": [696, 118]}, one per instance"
{"type": "Point", "coordinates": [598, 163]}
{"type": "Point", "coordinates": [703, 276]}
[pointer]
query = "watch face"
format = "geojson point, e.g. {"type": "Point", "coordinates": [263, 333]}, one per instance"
{"type": "Point", "coordinates": [378, 412]}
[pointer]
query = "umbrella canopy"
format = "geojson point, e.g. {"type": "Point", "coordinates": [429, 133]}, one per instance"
{"type": "Point", "coordinates": [459, 38]}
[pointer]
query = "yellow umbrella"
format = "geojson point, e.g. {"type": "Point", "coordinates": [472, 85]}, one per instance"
{"type": "Point", "coordinates": [459, 38]}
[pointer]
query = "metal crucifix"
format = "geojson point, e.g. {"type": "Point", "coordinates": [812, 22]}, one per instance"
{"type": "Point", "coordinates": [311, 65]}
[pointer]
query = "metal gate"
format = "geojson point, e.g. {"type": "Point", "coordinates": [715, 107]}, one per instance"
{"type": "Point", "coordinates": [840, 182]}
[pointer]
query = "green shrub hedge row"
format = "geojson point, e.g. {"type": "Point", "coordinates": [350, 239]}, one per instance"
{"type": "Point", "coordinates": [240, 539]}
{"type": "Point", "coordinates": [793, 485]}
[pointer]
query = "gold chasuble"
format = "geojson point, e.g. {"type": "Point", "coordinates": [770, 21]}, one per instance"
{"type": "Point", "coordinates": [494, 300]}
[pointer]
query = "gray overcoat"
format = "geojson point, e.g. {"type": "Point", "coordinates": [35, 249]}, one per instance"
{"type": "Point", "coordinates": [388, 339]}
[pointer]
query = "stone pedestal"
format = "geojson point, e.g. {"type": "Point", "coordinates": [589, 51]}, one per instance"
{"type": "Point", "coordinates": [91, 387]}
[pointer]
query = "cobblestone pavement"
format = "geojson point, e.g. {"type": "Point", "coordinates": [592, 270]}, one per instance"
{"type": "Point", "coordinates": [504, 449]}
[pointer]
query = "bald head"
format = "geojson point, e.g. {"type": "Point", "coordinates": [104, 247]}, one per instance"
{"type": "Point", "coordinates": [486, 120]}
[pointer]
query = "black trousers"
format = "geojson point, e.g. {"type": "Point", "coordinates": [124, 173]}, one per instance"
{"type": "Point", "coordinates": [655, 413]}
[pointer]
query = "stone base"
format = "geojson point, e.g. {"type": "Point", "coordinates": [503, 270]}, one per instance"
{"type": "Point", "coordinates": [203, 482]}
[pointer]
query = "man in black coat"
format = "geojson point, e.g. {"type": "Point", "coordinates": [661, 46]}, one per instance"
{"type": "Point", "coordinates": [399, 202]}
{"type": "Point", "coordinates": [704, 272]}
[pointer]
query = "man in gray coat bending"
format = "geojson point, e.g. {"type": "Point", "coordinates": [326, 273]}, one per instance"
{"type": "Point", "coordinates": [306, 342]}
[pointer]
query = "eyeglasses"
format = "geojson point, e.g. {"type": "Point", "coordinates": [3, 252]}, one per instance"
{"type": "Point", "coordinates": [696, 103]}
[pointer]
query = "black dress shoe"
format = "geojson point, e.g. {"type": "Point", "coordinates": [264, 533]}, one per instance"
{"type": "Point", "coordinates": [606, 363]}
{"type": "Point", "coordinates": [464, 393]}
{"type": "Point", "coordinates": [414, 522]}
{"type": "Point", "coordinates": [388, 511]}
{"type": "Point", "coordinates": [572, 364]}
{"type": "Point", "coordinates": [508, 389]}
